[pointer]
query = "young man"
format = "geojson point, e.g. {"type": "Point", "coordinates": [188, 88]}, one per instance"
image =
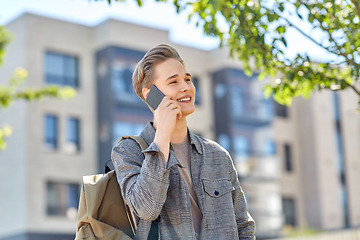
{"type": "Point", "coordinates": [187, 180]}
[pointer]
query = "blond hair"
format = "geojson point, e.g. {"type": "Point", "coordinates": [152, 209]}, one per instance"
{"type": "Point", "coordinates": [144, 72]}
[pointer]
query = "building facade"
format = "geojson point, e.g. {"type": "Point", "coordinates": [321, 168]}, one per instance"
{"type": "Point", "coordinates": [318, 143]}
{"type": "Point", "coordinates": [298, 166]}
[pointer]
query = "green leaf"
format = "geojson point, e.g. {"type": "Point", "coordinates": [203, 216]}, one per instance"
{"type": "Point", "coordinates": [283, 41]}
{"type": "Point", "coordinates": [2, 144]}
{"type": "Point", "coordinates": [299, 15]}
{"type": "Point", "coordinates": [281, 6]}
{"type": "Point", "coordinates": [7, 130]}
{"type": "Point", "coordinates": [311, 18]}
{"type": "Point", "coordinates": [349, 80]}
{"type": "Point", "coordinates": [343, 84]}
{"type": "Point", "coordinates": [268, 90]}
{"type": "Point", "coordinates": [262, 75]}
{"type": "Point", "coordinates": [280, 29]}
{"type": "Point", "coordinates": [5, 38]}
{"type": "Point", "coordinates": [248, 71]}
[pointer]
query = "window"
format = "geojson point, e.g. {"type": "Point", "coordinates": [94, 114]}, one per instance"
{"type": "Point", "coordinates": [241, 155]}
{"type": "Point", "coordinates": [237, 100]}
{"type": "Point", "coordinates": [196, 83]}
{"type": "Point", "coordinates": [224, 140]}
{"type": "Point", "coordinates": [62, 199]}
{"type": "Point", "coordinates": [121, 81]}
{"type": "Point", "coordinates": [73, 134]}
{"type": "Point", "coordinates": [51, 133]}
{"type": "Point", "coordinates": [265, 108]}
{"type": "Point", "coordinates": [241, 148]}
{"type": "Point", "coordinates": [270, 148]}
{"type": "Point", "coordinates": [125, 128]}
{"type": "Point", "coordinates": [281, 110]}
{"type": "Point", "coordinates": [341, 158]}
{"type": "Point", "coordinates": [289, 211]}
{"type": "Point", "coordinates": [220, 90]}
{"type": "Point", "coordinates": [288, 158]}
{"type": "Point", "coordinates": [61, 69]}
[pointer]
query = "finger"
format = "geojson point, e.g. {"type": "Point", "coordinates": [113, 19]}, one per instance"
{"type": "Point", "coordinates": [179, 115]}
{"type": "Point", "coordinates": [166, 102]}
{"type": "Point", "coordinates": [175, 107]}
{"type": "Point", "coordinates": [178, 112]}
{"type": "Point", "coordinates": [172, 104]}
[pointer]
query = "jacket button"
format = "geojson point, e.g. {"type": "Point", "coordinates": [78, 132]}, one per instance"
{"type": "Point", "coordinates": [216, 192]}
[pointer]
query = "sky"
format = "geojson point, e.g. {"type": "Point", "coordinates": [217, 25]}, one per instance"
{"type": "Point", "coordinates": [153, 14]}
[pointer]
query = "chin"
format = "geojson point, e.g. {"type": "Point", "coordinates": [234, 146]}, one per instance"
{"type": "Point", "coordinates": [188, 112]}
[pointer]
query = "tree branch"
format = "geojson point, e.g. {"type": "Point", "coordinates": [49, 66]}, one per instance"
{"type": "Point", "coordinates": [356, 7]}
{"type": "Point", "coordinates": [327, 30]}
{"type": "Point", "coordinates": [349, 61]}
{"type": "Point", "coordinates": [307, 36]}
{"type": "Point", "coordinates": [353, 87]}
{"type": "Point", "coordinates": [302, 32]}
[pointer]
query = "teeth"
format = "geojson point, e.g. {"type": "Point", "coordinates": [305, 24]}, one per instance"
{"type": "Point", "coordinates": [184, 99]}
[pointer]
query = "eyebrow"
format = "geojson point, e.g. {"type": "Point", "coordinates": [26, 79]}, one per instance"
{"type": "Point", "coordinates": [176, 75]}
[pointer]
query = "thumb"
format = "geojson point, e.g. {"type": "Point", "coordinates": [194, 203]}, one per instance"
{"type": "Point", "coordinates": [179, 115]}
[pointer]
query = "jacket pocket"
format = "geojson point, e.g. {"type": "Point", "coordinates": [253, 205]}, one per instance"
{"type": "Point", "coordinates": [219, 208]}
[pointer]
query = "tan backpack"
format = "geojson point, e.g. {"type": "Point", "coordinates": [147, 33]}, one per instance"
{"type": "Point", "coordinates": [103, 213]}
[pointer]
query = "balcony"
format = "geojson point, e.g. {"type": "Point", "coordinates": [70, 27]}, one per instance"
{"type": "Point", "coordinates": [252, 112]}
{"type": "Point", "coordinates": [260, 167]}
{"type": "Point", "coordinates": [268, 224]}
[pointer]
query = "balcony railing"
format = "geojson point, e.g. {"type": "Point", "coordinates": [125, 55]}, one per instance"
{"type": "Point", "coordinates": [268, 225]}
{"type": "Point", "coordinates": [257, 166]}
{"type": "Point", "coordinates": [253, 112]}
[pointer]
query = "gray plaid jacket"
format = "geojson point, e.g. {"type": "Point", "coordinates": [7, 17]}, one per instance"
{"type": "Point", "coordinates": [152, 187]}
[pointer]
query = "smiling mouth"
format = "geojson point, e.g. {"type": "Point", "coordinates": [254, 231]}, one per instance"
{"type": "Point", "coordinates": [184, 99]}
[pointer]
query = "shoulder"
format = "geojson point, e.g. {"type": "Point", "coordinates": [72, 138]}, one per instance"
{"type": "Point", "coordinates": [127, 146]}
{"type": "Point", "coordinates": [211, 146]}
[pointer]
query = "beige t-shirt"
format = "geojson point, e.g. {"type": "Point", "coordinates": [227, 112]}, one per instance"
{"type": "Point", "coordinates": [182, 154]}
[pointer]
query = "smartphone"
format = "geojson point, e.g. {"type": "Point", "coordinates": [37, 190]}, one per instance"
{"type": "Point", "coordinates": [154, 97]}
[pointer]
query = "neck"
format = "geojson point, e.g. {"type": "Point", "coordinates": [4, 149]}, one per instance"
{"type": "Point", "coordinates": [179, 133]}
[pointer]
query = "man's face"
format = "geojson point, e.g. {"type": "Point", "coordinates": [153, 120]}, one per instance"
{"type": "Point", "coordinates": [172, 79]}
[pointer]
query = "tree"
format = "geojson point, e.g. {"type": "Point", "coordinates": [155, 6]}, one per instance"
{"type": "Point", "coordinates": [255, 31]}
{"type": "Point", "coordinates": [13, 91]}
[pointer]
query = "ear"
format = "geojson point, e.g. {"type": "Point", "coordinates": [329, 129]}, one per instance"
{"type": "Point", "coordinates": [145, 92]}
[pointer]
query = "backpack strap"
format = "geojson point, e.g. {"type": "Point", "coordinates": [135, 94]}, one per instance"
{"type": "Point", "coordinates": [138, 139]}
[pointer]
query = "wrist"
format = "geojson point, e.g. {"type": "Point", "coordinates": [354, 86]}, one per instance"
{"type": "Point", "coordinates": [162, 141]}
{"type": "Point", "coordinates": [162, 136]}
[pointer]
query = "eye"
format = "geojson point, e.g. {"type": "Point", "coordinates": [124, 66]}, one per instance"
{"type": "Point", "coordinates": [172, 82]}
{"type": "Point", "coordinates": [188, 80]}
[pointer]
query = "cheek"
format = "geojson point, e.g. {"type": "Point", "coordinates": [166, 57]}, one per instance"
{"type": "Point", "coordinates": [193, 88]}
{"type": "Point", "coordinates": [168, 91]}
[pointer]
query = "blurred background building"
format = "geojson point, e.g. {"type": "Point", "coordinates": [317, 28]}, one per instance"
{"type": "Point", "coordinates": [298, 166]}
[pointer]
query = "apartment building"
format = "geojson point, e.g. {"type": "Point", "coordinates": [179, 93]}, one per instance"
{"type": "Point", "coordinates": [318, 143]}
{"type": "Point", "coordinates": [293, 163]}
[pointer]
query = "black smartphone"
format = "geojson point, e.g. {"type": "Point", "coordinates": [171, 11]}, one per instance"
{"type": "Point", "coordinates": [154, 97]}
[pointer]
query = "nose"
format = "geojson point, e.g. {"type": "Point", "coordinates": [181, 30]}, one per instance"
{"type": "Point", "coordinates": [184, 87]}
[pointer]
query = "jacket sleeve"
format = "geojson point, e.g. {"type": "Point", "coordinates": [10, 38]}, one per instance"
{"type": "Point", "coordinates": [143, 181]}
{"type": "Point", "coordinates": [245, 223]}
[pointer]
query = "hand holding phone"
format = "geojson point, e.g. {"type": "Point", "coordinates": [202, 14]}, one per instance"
{"type": "Point", "coordinates": [164, 118]}
{"type": "Point", "coordinates": [154, 97]}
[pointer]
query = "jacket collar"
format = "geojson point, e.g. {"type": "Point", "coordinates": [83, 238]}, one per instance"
{"type": "Point", "coordinates": [194, 140]}
{"type": "Point", "coordinates": [148, 133]}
